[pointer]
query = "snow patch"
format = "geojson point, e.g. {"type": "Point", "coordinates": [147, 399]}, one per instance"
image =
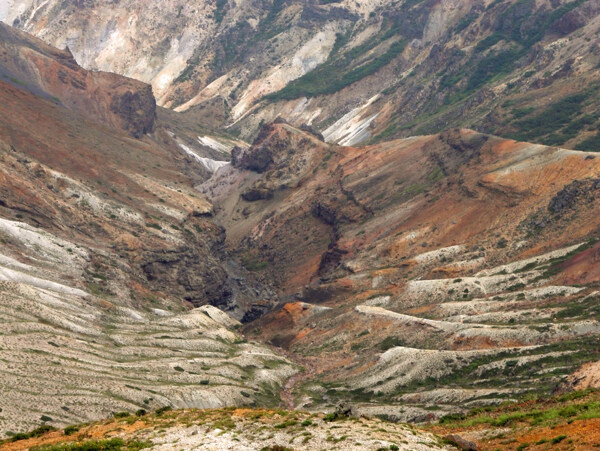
{"type": "Point", "coordinates": [208, 163]}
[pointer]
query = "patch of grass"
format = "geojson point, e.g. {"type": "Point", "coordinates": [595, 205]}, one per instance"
{"type": "Point", "coordinates": [253, 263]}
{"type": "Point", "coordinates": [331, 417]}
{"type": "Point", "coordinates": [224, 424]}
{"type": "Point", "coordinates": [492, 66]}
{"type": "Point", "coordinates": [162, 410]}
{"type": "Point", "coordinates": [115, 444]}
{"type": "Point", "coordinates": [591, 144]}
{"type": "Point", "coordinates": [542, 412]}
{"type": "Point", "coordinates": [17, 81]}
{"type": "Point", "coordinates": [557, 123]}
{"type": "Point", "coordinates": [70, 430]}
{"type": "Point", "coordinates": [286, 424]}
{"type": "Point", "coordinates": [391, 342]}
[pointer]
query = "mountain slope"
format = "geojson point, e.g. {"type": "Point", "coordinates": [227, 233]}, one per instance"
{"type": "Point", "coordinates": [356, 71]}
{"type": "Point", "coordinates": [418, 272]}
{"type": "Point", "coordinates": [108, 98]}
{"type": "Point", "coordinates": [413, 278]}
{"type": "Point", "coordinates": [107, 250]}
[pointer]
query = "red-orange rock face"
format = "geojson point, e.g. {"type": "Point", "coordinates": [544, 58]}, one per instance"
{"type": "Point", "coordinates": [107, 98]}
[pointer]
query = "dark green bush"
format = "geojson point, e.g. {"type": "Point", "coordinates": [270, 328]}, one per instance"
{"type": "Point", "coordinates": [70, 430]}
{"type": "Point", "coordinates": [38, 432]}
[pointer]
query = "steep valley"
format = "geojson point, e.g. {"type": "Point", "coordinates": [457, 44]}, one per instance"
{"type": "Point", "coordinates": [248, 224]}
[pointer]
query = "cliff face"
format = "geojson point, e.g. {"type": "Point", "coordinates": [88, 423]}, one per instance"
{"type": "Point", "coordinates": [356, 71]}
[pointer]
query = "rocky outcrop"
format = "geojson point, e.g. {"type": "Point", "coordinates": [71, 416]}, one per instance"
{"type": "Point", "coordinates": [576, 18]}
{"type": "Point", "coordinates": [461, 443]}
{"type": "Point", "coordinates": [459, 149]}
{"type": "Point", "coordinates": [257, 193]}
{"type": "Point", "coordinates": [574, 194]}
{"type": "Point", "coordinates": [325, 212]}
{"type": "Point", "coordinates": [191, 273]}
{"type": "Point", "coordinates": [257, 158]}
{"type": "Point", "coordinates": [330, 261]}
{"type": "Point", "coordinates": [588, 376]}
{"type": "Point", "coordinates": [272, 148]}
{"type": "Point", "coordinates": [136, 110]}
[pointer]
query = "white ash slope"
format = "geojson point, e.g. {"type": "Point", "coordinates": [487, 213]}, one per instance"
{"type": "Point", "coordinates": [68, 356]}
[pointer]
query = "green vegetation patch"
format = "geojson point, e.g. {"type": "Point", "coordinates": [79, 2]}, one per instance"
{"type": "Point", "coordinates": [337, 72]}
{"type": "Point", "coordinates": [254, 263]}
{"type": "Point", "coordinates": [557, 123]}
{"type": "Point", "coordinates": [591, 144]}
{"type": "Point", "coordinates": [38, 432]}
{"type": "Point", "coordinates": [115, 444]}
{"type": "Point", "coordinates": [580, 405]}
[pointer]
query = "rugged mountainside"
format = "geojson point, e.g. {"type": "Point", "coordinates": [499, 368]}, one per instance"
{"type": "Point", "coordinates": [377, 69]}
{"type": "Point", "coordinates": [407, 279]}
{"type": "Point", "coordinates": [439, 270]}
{"type": "Point", "coordinates": [108, 98]}
{"type": "Point", "coordinates": [106, 249]}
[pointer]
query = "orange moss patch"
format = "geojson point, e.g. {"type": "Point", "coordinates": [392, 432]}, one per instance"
{"type": "Point", "coordinates": [110, 428]}
{"type": "Point", "coordinates": [580, 435]}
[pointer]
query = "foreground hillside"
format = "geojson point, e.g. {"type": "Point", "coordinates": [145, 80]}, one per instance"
{"type": "Point", "coordinates": [235, 429]}
{"type": "Point", "coordinates": [375, 69]}
{"type": "Point", "coordinates": [569, 421]}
